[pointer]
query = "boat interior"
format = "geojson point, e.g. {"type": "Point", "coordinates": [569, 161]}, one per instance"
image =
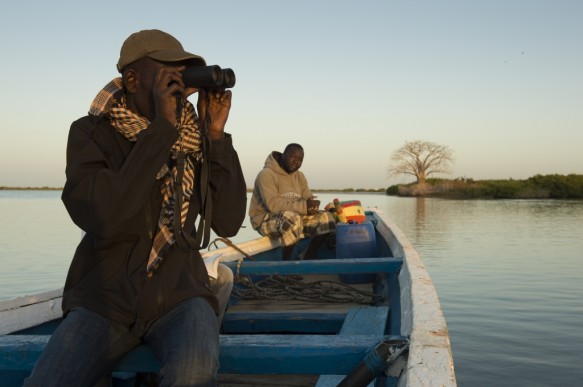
{"type": "Point", "coordinates": [298, 322]}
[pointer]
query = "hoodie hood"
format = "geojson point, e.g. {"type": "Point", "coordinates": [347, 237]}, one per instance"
{"type": "Point", "coordinates": [272, 162]}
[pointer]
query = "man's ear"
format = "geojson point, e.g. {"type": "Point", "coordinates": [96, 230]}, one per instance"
{"type": "Point", "coordinates": [130, 80]}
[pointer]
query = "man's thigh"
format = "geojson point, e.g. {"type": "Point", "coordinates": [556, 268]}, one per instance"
{"type": "Point", "coordinates": [81, 352]}
{"type": "Point", "coordinates": [285, 225]}
{"type": "Point", "coordinates": [186, 340]}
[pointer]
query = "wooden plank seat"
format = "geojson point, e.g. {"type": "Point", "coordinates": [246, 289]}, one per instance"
{"type": "Point", "coordinates": [239, 354]}
{"type": "Point", "coordinates": [320, 266]}
{"type": "Point", "coordinates": [295, 354]}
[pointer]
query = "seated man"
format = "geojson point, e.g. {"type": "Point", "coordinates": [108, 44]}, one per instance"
{"type": "Point", "coordinates": [283, 207]}
{"type": "Point", "coordinates": [134, 185]}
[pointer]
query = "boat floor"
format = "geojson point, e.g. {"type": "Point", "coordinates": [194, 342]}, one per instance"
{"type": "Point", "coordinates": [291, 305]}
{"type": "Point", "coordinates": [238, 380]}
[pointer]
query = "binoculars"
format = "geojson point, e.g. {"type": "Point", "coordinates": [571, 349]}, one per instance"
{"type": "Point", "coordinates": [208, 77]}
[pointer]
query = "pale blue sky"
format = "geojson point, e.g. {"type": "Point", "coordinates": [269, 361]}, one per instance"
{"type": "Point", "coordinates": [498, 81]}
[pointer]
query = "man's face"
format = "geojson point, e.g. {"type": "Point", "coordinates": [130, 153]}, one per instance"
{"type": "Point", "coordinates": [146, 70]}
{"type": "Point", "coordinates": [292, 160]}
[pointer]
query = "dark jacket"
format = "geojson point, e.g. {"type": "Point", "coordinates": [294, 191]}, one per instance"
{"type": "Point", "coordinates": [112, 194]}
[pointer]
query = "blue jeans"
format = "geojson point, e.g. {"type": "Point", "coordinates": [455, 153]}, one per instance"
{"type": "Point", "coordinates": [86, 346]}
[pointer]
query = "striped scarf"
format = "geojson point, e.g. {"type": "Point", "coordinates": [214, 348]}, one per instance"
{"type": "Point", "coordinates": [111, 101]}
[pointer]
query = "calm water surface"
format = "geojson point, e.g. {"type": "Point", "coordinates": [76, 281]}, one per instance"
{"type": "Point", "coordinates": [508, 273]}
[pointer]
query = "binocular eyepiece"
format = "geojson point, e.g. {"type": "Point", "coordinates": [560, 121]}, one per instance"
{"type": "Point", "coordinates": [208, 77]}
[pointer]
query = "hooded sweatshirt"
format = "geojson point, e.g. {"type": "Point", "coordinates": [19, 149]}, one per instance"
{"type": "Point", "coordinates": [276, 190]}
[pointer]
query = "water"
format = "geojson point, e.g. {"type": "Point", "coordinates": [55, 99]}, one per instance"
{"type": "Point", "coordinates": [508, 273]}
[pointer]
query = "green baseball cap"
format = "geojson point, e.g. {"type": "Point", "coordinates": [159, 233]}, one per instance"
{"type": "Point", "coordinates": [157, 45]}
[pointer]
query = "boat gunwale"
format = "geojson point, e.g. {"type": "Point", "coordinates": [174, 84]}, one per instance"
{"type": "Point", "coordinates": [422, 318]}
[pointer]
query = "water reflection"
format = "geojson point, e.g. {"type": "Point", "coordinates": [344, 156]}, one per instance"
{"type": "Point", "coordinates": [420, 212]}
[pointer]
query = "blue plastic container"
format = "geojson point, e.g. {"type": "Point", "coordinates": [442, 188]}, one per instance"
{"type": "Point", "coordinates": [356, 241]}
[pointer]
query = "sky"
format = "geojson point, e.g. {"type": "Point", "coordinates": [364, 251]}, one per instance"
{"type": "Point", "coordinates": [500, 82]}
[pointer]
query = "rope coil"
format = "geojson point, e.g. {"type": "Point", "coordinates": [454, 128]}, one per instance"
{"type": "Point", "coordinates": [293, 287]}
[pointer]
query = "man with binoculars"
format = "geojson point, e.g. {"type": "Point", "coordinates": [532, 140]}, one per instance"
{"type": "Point", "coordinates": [142, 167]}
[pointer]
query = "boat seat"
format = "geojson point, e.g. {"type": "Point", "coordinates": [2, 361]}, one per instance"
{"type": "Point", "coordinates": [320, 266]}
{"type": "Point", "coordinates": [250, 354]}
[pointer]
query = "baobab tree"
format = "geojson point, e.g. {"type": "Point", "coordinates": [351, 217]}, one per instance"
{"type": "Point", "coordinates": [421, 159]}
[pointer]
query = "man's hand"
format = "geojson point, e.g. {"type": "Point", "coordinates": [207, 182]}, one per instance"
{"type": "Point", "coordinates": [168, 92]}
{"type": "Point", "coordinates": [313, 205]}
{"type": "Point", "coordinates": [216, 103]}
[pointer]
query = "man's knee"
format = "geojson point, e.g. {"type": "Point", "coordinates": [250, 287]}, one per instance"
{"type": "Point", "coordinates": [290, 221]}
{"type": "Point", "coordinates": [224, 278]}
{"type": "Point", "coordinates": [291, 228]}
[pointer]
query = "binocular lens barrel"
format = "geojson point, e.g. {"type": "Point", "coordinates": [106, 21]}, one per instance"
{"type": "Point", "coordinates": [208, 77]}
{"type": "Point", "coordinates": [228, 78]}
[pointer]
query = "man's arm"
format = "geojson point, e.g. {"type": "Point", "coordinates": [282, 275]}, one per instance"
{"type": "Point", "coordinates": [99, 195]}
{"type": "Point", "coordinates": [228, 188]}
{"type": "Point", "coordinates": [306, 193]}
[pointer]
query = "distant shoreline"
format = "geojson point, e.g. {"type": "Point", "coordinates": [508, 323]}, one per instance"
{"type": "Point", "coordinates": [30, 189]}
{"type": "Point", "coordinates": [536, 187]}
{"type": "Point", "coordinates": [553, 186]}
{"type": "Point", "coordinates": [339, 190]}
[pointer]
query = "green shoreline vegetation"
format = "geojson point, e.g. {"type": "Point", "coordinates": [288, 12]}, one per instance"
{"type": "Point", "coordinates": [536, 187]}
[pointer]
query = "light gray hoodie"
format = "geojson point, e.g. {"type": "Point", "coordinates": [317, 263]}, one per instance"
{"type": "Point", "coordinates": [276, 190]}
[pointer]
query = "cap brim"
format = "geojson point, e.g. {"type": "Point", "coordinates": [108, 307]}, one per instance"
{"type": "Point", "coordinates": [176, 56]}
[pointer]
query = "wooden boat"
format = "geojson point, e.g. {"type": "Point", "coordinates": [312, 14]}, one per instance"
{"type": "Point", "coordinates": [351, 321]}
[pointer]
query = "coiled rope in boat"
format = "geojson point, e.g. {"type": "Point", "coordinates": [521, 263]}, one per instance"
{"type": "Point", "coordinates": [293, 287]}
